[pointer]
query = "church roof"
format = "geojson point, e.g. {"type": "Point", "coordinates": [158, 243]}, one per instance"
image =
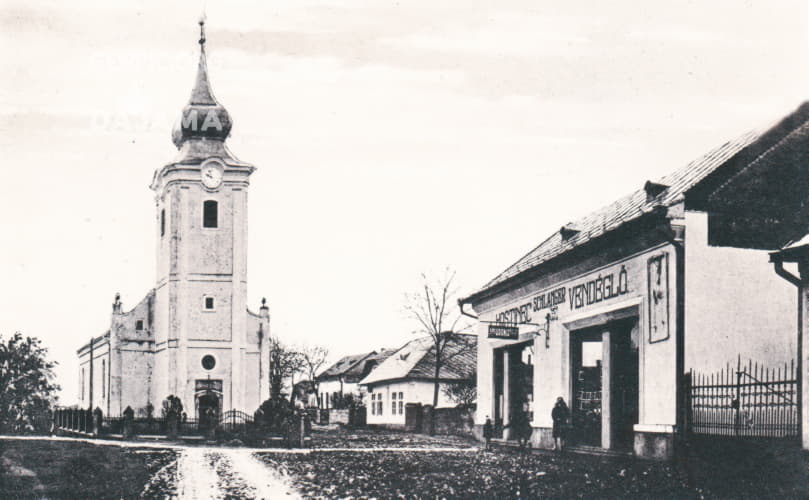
{"type": "Point", "coordinates": [100, 340]}
{"type": "Point", "coordinates": [204, 124]}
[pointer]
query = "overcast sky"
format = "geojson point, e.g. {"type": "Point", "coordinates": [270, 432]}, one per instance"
{"type": "Point", "coordinates": [391, 138]}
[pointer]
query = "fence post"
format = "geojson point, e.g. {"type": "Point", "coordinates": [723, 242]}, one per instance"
{"type": "Point", "coordinates": [688, 417]}
{"type": "Point", "coordinates": [97, 419]}
{"type": "Point", "coordinates": [171, 422]}
{"type": "Point", "coordinates": [302, 429]}
{"type": "Point", "coordinates": [737, 402]}
{"type": "Point", "coordinates": [129, 417]}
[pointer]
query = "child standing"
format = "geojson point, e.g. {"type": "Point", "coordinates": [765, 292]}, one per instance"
{"type": "Point", "coordinates": [488, 430]}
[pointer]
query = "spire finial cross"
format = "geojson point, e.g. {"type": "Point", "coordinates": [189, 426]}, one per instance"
{"type": "Point", "coordinates": [202, 29]}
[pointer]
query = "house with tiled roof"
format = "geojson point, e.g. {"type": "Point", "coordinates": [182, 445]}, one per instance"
{"type": "Point", "coordinates": [612, 311]}
{"type": "Point", "coordinates": [342, 377]}
{"type": "Point", "coordinates": [407, 376]}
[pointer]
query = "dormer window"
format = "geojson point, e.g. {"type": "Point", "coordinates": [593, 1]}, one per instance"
{"type": "Point", "coordinates": [210, 215]}
{"type": "Point", "coordinates": [653, 190]}
{"type": "Point", "coordinates": [568, 231]}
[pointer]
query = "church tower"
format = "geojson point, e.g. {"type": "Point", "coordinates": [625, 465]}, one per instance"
{"type": "Point", "coordinates": [207, 346]}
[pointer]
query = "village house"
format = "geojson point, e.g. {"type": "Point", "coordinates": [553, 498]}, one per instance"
{"type": "Point", "coordinates": [343, 377]}
{"type": "Point", "coordinates": [612, 311]}
{"type": "Point", "coordinates": [407, 376]}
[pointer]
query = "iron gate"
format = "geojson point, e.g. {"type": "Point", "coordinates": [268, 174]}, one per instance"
{"type": "Point", "coordinates": [746, 402]}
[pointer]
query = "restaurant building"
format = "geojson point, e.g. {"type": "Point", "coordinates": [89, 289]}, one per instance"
{"type": "Point", "coordinates": [610, 311]}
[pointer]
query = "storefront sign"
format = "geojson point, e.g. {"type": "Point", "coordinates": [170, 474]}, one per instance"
{"type": "Point", "coordinates": [503, 332]}
{"type": "Point", "coordinates": [598, 290]}
{"type": "Point", "coordinates": [658, 267]}
{"type": "Point", "coordinates": [577, 296]}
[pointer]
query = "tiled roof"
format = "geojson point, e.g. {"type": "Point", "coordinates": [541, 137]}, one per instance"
{"type": "Point", "coordinates": [625, 209]}
{"type": "Point", "coordinates": [461, 361]}
{"type": "Point", "coordinates": [343, 365]}
{"type": "Point", "coordinates": [416, 359]}
{"type": "Point", "coordinates": [364, 367]}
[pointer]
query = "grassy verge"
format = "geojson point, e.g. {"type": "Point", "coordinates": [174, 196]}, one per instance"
{"type": "Point", "coordinates": [506, 475]}
{"type": "Point", "coordinates": [65, 470]}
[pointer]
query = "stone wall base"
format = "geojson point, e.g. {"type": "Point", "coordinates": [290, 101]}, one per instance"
{"type": "Point", "coordinates": [654, 445]}
{"type": "Point", "coordinates": [542, 438]}
{"type": "Point", "coordinates": [390, 427]}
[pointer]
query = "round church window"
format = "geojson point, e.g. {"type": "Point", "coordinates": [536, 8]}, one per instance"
{"type": "Point", "coordinates": [208, 362]}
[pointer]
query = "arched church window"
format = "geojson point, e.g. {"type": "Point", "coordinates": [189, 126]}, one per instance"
{"type": "Point", "coordinates": [209, 213]}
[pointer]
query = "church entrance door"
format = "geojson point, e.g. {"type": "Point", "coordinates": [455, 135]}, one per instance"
{"type": "Point", "coordinates": [208, 410]}
{"type": "Point", "coordinates": [208, 401]}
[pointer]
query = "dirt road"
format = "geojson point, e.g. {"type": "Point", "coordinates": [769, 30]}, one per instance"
{"type": "Point", "coordinates": [203, 473]}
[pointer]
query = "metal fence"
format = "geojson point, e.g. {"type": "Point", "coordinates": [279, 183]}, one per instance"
{"type": "Point", "coordinates": [748, 401]}
{"type": "Point", "coordinates": [235, 421]}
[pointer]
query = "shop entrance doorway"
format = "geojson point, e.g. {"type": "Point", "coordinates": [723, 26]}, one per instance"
{"type": "Point", "coordinates": [587, 350]}
{"type": "Point", "coordinates": [513, 387]}
{"type": "Point", "coordinates": [604, 376]}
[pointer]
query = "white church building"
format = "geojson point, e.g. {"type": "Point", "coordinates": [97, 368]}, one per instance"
{"type": "Point", "coordinates": [193, 335]}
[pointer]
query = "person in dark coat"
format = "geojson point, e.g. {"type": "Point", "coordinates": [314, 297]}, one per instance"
{"type": "Point", "coordinates": [488, 432]}
{"type": "Point", "coordinates": [560, 415]}
{"type": "Point", "coordinates": [521, 427]}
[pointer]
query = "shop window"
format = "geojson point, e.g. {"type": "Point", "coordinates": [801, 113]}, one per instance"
{"type": "Point", "coordinates": [591, 353]}
{"type": "Point", "coordinates": [210, 214]}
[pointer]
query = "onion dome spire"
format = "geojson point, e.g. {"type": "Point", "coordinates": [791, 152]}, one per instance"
{"type": "Point", "coordinates": [203, 118]}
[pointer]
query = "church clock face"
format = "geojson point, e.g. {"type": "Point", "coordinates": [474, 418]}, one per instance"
{"type": "Point", "coordinates": [211, 176]}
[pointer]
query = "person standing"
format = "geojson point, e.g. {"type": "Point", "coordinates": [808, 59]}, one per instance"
{"type": "Point", "coordinates": [521, 428]}
{"type": "Point", "coordinates": [560, 415]}
{"type": "Point", "coordinates": [488, 431]}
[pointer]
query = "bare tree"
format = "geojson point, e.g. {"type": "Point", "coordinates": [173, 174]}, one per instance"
{"type": "Point", "coordinates": [314, 358]}
{"type": "Point", "coordinates": [463, 392]}
{"type": "Point", "coordinates": [285, 363]}
{"type": "Point", "coordinates": [437, 315]}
